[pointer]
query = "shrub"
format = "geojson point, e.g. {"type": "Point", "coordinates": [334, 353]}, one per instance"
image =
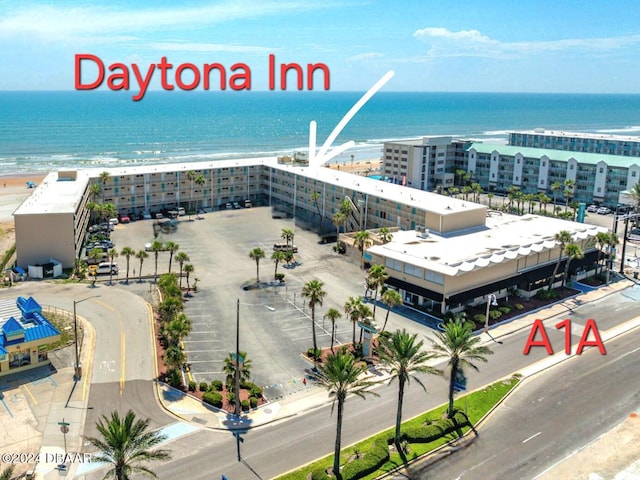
{"type": "Point", "coordinates": [174, 378]}
{"type": "Point", "coordinates": [280, 277]}
{"type": "Point", "coordinates": [547, 294]}
{"type": "Point", "coordinates": [367, 463]}
{"type": "Point", "coordinates": [505, 310]}
{"type": "Point", "coordinates": [319, 474]}
{"type": "Point", "coordinates": [479, 318]}
{"type": "Point", "coordinates": [212, 398]}
{"type": "Point", "coordinates": [253, 402]}
{"type": "Point", "coordinates": [519, 306]}
{"type": "Point", "coordinates": [231, 397]}
{"type": "Point", "coordinates": [192, 386]}
{"type": "Point", "coordinates": [245, 405]}
{"type": "Point", "coordinates": [428, 433]}
{"type": "Point", "coordinates": [314, 353]}
{"type": "Point", "coordinates": [217, 385]}
{"type": "Point", "coordinates": [204, 386]}
{"type": "Point", "coordinates": [495, 314]}
{"type": "Point", "coordinates": [254, 390]}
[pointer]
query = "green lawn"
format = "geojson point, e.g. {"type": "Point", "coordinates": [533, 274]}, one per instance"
{"type": "Point", "coordinates": [475, 405]}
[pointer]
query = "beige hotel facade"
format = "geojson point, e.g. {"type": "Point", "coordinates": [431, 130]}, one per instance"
{"type": "Point", "coordinates": [467, 251]}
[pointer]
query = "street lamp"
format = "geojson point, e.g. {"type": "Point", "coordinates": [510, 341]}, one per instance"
{"type": "Point", "coordinates": [77, 367]}
{"type": "Point", "coordinates": [491, 300]}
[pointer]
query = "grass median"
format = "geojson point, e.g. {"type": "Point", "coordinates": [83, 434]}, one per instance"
{"type": "Point", "coordinates": [475, 404]}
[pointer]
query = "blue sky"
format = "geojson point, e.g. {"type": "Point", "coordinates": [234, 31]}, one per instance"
{"type": "Point", "coordinates": [432, 45]}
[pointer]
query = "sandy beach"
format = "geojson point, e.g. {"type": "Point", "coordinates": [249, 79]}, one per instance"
{"type": "Point", "coordinates": [13, 191]}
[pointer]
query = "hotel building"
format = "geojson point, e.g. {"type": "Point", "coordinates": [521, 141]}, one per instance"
{"type": "Point", "coordinates": [464, 253]}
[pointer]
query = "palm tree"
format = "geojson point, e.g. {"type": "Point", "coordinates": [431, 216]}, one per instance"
{"type": "Point", "coordinates": [188, 269]}
{"type": "Point", "coordinates": [314, 292]}
{"type": "Point", "coordinates": [341, 376]}
{"type": "Point", "coordinates": [178, 328]}
{"type": "Point", "coordinates": [104, 176]}
{"type": "Point", "coordinates": [339, 219]}
{"type": "Point", "coordinates": [191, 175]}
{"type": "Point", "coordinates": [257, 254]}
{"type": "Point", "coordinates": [568, 192]}
{"type": "Point", "coordinates": [229, 369]}
{"type": "Point", "coordinates": [126, 443]}
{"type": "Point", "coordinates": [391, 298]}
{"type": "Point", "coordinates": [278, 256]}
{"type": "Point", "coordinates": [113, 253]}
{"type": "Point", "coordinates": [365, 315]}
{"type": "Point", "coordinates": [555, 188]}
{"type": "Point", "coordinates": [315, 196]}
{"type": "Point", "coordinates": [181, 258]}
{"type": "Point", "coordinates": [156, 247]}
{"type": "Point", "coordinates": [404, 355]}
{"type": "Point", "coordinates": [94, 191]}
{"type": "Point", "coordinates": [601, 239]}
{"type": "Point", "coordinates": [127, 252]}
{"type": "Point", "coordinates": [172, 248]}
{"type": "Point", "coordinates": [635, 195]}
{"type": "Point", "coordinates": [7, 472]}
{"type": "Point", "coordinates": [611, 244]}
{"type": "Point", "coordinates": [562, 237]}
{"type": "Point", "coordinates": [141, 255]}
{"type": "Point", "coordinates": [333, 315]}
{"type": "Point", "coordinates": [200, 181]}
{"type": "Point", "coordinates": [573, 252]}
{"type": "Point", "coordinates": [287, 235]}
{"type": "Point", "coordinates": [460, 346]}
{"type": "Point", "coordinates": [377, 276]}
{"type": "Point", "coordinates": [362, 241]}
{"type": "Point", "coordinates": [385, 235]}
{"type": "Point", "coordinates": [169, 308]}
{"type": "Point", "coordinates": [352, 310]}
{"type": "Point", "coordinates": [174, 356]}
{"type": "Point", "coordinates": [490, 197]}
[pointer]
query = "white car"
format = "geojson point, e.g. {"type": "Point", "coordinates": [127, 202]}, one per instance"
{"type": "Point", "coordinates": [592, 208]}
{"type": "Point", "coordinates": [603, 211]}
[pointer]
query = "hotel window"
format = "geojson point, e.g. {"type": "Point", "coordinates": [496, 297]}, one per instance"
{"type": "Point", "coordinates": [633, 174]}
{"type": "Point", "coordinates": [393, 264]}
{"type": "Point", "coordinates": [434, 277]}
{"type": "Point", "coordinates": [412, 270]}
{"type": "Point", "coordinates": [601, 170]}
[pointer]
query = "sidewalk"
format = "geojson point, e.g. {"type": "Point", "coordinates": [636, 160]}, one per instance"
{"type": "Point", "coordinates": [191, 409]}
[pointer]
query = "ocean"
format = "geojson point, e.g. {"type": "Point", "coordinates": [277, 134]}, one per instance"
{"type": "Point", "coordinates": [44, 131]}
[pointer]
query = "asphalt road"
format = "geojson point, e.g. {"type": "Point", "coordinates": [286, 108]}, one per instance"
{"type": "Point", "coordinates": [551, 416]}
{"type": "Point", "coordinates": [271, 450]}
{"type": "Point", "coordinates": [123, 367]}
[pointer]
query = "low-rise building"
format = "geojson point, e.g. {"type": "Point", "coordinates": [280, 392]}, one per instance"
{"type": "Point", "coordinates": [25, 337]}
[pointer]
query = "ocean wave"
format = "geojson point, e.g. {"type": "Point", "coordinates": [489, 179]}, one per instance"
{"type": "Point", "coordinates": [633, 128]}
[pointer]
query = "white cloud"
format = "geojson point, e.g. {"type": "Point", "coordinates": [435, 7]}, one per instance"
{"type": "Point", "coordinates": [63, 21]}
{"type": "Point", "coordinates": [471, 43]}
{"type": "Point", "coordinates": [365, 56]}
{"type": "Point", "coordinates": [208, 47]}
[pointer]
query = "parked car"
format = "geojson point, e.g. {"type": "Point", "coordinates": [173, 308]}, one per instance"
{"type": "Point", "coordinates": [106, 268]}
{"type": "Point", "coordinates": [124, 219]}
{"type": "Point", "coordinates": [228, 206]}
{"type": "Point", "coordinates": [283, 247]}
{"type": "Point", "coordinates": [603, 211]}
{"type": "Point", "coordinates": [236, 205]}
{"type": "Point", "coordinates": [592, 208]}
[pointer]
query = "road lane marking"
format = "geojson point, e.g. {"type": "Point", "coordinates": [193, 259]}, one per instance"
{"type": "Point", "coordinates": [531, 437]}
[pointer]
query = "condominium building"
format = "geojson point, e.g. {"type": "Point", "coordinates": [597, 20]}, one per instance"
{"type": "Point", "coordinates": [425, 162]}
{"type": "Point", "coordinates": [627, 146]}
{"type": "Point", "coordinates": [601, 166]}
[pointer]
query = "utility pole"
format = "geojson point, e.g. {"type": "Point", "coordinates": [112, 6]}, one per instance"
{"type": "Point", "coordinates": [238, 358]}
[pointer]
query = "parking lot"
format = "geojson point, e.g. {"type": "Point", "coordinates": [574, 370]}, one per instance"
{"type": "Point", "coordinates": [275, 325]}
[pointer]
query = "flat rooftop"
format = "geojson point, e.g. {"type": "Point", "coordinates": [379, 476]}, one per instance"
{"type": "Point", "coordinates": [59, 192]}
{"type": "Point", "coordinates": [506, 237]}
{"type": "Point", "coordinates": [561, 133]}
{"type": "Point", "coordinates": [57, 195]}
{"type": "Point", "coordinates": [559, 155]}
